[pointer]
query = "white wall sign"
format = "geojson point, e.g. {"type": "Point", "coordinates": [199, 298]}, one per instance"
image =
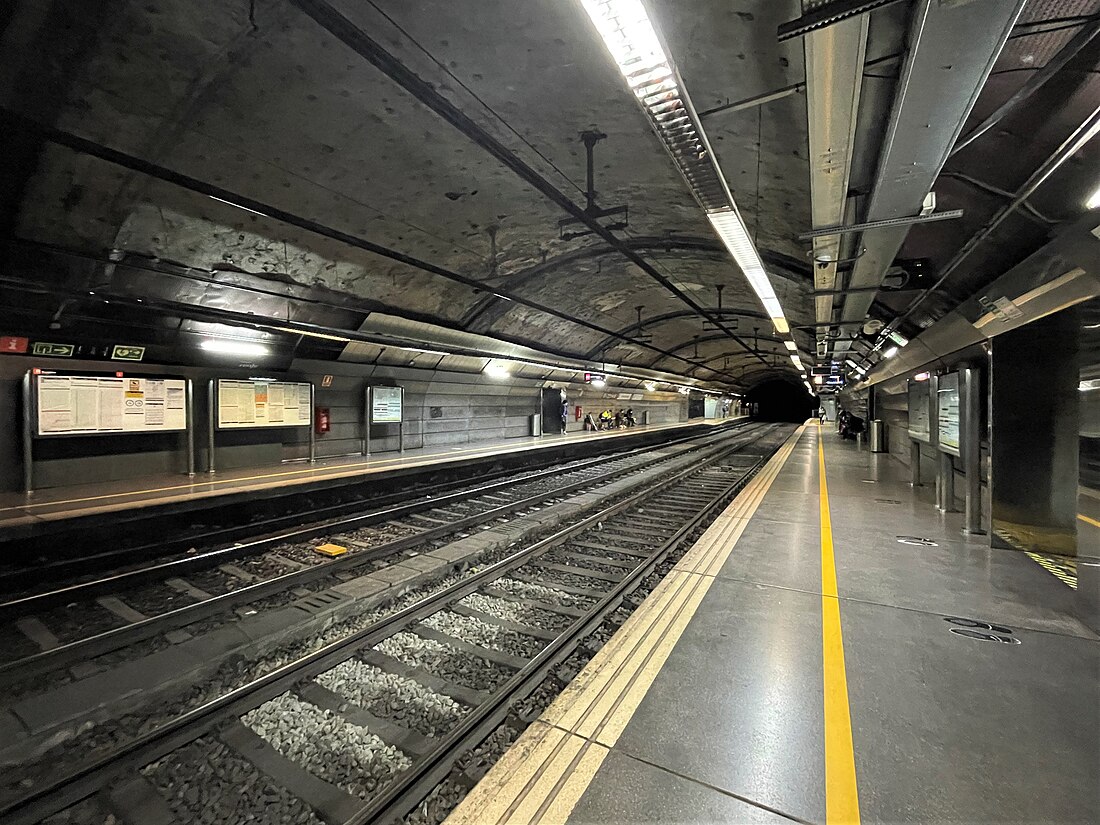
{"type": "Point", "coordinates": [920, 425]}
{"type": "Point", "coordinates": [947, 413]}
{"type": "Point", "coordinates": [76, 404]}
{"type": "Point", "coordinates": [385, 407]}
{"type": "Point", "coordinates": [252, 404]}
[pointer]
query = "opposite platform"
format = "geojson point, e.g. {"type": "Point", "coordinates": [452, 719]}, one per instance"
{"type": "Point", "coordinates": [801, 663]}
{"type": "Point", "coordinates": [24, 511]}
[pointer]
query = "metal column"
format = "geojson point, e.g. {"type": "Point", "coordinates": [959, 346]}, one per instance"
{"type": "Point", "coordinates": [945, 484]}
{"type": "Point", "coordinates": [211, 399]}
{"type": "Point", "coordinates": [190, 389]}
{"type": "Point", "coordinates": [401, 424]}
{"type": "Point", "coordinates": [971, 448]}
{"type": "Point", "coordinates": [28, 435]}
{"type": "Point", "coordinates": [312, 427]}
{"type": "Point", "coordinates": [366, 426]}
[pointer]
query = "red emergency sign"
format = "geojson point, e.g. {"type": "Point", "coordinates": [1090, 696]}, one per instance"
{"type": "Point", "coordinates": [321, 420]}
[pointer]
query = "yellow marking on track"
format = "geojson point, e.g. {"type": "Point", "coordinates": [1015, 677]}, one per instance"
{"type": "Point", "coordinates": [543, 775]}
{"type": "Point", "coordinates": [1088, 520]}
{"type": "Point", "coordinates": [841, 794]}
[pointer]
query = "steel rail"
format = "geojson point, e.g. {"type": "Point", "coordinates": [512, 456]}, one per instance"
{"type": "Point", "coordinates": [65, 791]}
{"type": "Point", "coordinates": [237, 550]}
{"type": "Point", "coordinates": [407, 790]}
{"type": "Point", "coordinates": [110, 640]}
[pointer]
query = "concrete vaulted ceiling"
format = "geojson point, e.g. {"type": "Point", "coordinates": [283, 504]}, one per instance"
{"type": "Point", "coordinates": [384, 205]}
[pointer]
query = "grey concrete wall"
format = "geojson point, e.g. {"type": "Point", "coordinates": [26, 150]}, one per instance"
{"type": "Point", "coordinates": [441, 409]}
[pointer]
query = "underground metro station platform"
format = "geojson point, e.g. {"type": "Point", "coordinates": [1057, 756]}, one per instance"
{"type": "Point", "coordinates": [607, 411]}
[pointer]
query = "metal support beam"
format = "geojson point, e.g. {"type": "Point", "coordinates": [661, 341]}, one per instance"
{"type": "Point", "coordinates": [754, 101]}
{"type": "Point", "coordinates": [952, 48]}
{"type": "Point", "coordinates": [1033, 83]}
{"type": "Point", "coordinates": [828, 15]}
{"type": "Point", "coordinates": [92, 149]}
{"type": "Point", "coordinates": [1070, 146]}
{"type": "Point", "coordinates": [344, 30]}
{"type": "Point", "coordinates": [950, 214]}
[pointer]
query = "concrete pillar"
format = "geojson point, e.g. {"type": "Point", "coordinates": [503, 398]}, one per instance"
{"type": "Point", "coordinates": [1034, 435]}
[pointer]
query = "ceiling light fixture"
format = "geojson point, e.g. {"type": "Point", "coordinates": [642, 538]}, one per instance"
{"type": "Point", "coordinates": [496, 369]}
{"type": "Point", "coordinates": [311, 334]}
{"type": "Point", "coordinates": [797, 363]}
{"type": "Point", "coordinates": [791, 345]}
{"type": "Point", "coordinates": [651, 386]}
{"type": "Point", "coordinates": [227, 346]}
{"type": "Point", "coordinates": [629, 36]}
{"type": "Point", "coordinates": [890, 353]}
{"type": "Point", "coordinates": [1094, 199]}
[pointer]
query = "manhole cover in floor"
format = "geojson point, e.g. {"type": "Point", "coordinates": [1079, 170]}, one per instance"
{"type": "Point", "coordinates": [982, 631]}
{"type": "Point", "coordinates": [917, 541]}
{"type": "Point", "coordinates": [982, 636]}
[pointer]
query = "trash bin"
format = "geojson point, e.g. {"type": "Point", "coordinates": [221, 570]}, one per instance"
{"type": "Point", "coordinates": [536, 424]}
{"type": "Point", "coordinates": [878, 436]}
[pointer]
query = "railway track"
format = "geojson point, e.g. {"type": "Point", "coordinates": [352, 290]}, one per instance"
{"type": "Point", "coordinates": [50, 630]}
{"type": "Point", "coordinates": [365, 727]}
{"type": "Point", "coordinates": [107, 550]}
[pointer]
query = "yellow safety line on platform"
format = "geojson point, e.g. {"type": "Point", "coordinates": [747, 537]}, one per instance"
{"type": "Point", "coordinates": [1088, 520]}
{"type": "Point", "coordinates": [841, 795]}
{"type": "Point", "coordinates": [543, 775]}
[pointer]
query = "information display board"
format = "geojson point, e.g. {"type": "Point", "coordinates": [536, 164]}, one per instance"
{"type": "Point", "coordinates": [920, 413]}
{"type": "Point", "coordinates": [86, 405]}
{"type": "Point", "coordinates": [385, 406]}
{"type": "Point", "coordinates": [947, 413]}
{"type": "Point", "coordinates": [252, 404]}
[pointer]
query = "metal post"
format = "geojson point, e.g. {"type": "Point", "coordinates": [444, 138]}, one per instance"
{"type": "Point", "coordinates": [312, 427]}
{"type": "Point", "coordinates": [401, 424]}
{"type": "Point", "coordinates": [370, 407]}
{"type": "Point", "coordinates": [190, 412]}
{"type": "Point", "coordinates": [364, 422]}
{"type": "Point", "coordinates": [946, 484]}
{"type": "Point", "coordinates": [211, 400]}
{"type": "Point", "coordinates": [970, 414]}
{"type": "Point", "coordinates": [28, 435]}
{"type": "Point", "coordinates": [914, 462]}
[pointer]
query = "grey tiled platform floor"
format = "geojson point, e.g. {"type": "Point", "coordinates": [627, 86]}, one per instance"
{"type": "Point", "coordinates": [945, 728]}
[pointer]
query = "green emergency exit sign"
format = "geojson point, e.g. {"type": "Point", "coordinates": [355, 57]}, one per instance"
{"type": "Point", "coordinates": [54, 350]}
{"type": "Point", "coordinates": [124, 353]}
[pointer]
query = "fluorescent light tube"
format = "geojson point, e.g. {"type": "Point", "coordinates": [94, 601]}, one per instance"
{"type": "Point", "coordinates": [797, 362]}
{"type": "Point", "coordinates": [227, 346]}
{"type": "Point", "coordinates": [633, 44]}
{"type": "Point", "coordinates": [495, 369]}
{"type": "Point", "coordinates": [791, 345]}
{"type": "Point", "coordinates": [1094, 199]}
{"type": "Point", "coordinates": [324, 335]}
{"type": "Point", "coordinates": [890, 353]}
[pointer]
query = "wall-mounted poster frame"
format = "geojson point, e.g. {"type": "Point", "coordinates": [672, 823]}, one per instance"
{"type": "Point", "coordinates": [949, 414]}
{"type": "Point", "coordinates": [261, 409]}
{"type": "Point", "coordinates": [73, 405]}
{"type": "Point", "coordinates": [384, 405]}
{"type": "Point", "coordinates": [248, 404]}
{"type": "Point", "coordinates": [920, 414]}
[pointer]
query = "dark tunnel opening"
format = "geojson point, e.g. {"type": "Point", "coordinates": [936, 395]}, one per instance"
{"type": "Point", "coordinates": [779, 400]}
